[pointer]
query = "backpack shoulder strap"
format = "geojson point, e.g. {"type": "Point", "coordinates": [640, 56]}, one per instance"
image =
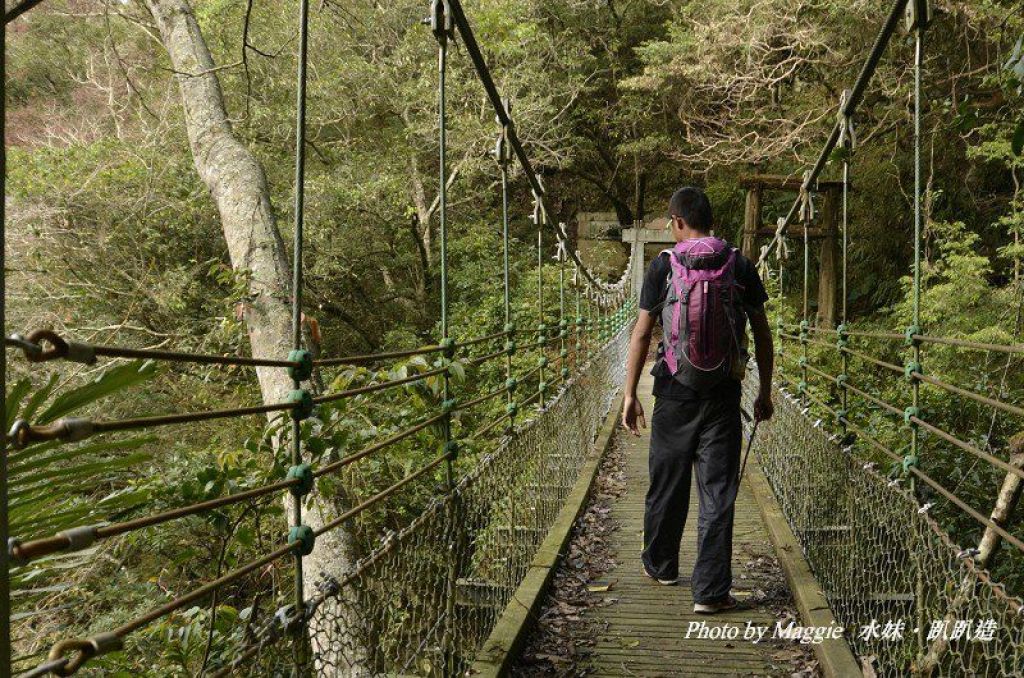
{"type": "Point", "coordinates": [738, 260]}
{"type": "Point", "coordinates": [667, 286]}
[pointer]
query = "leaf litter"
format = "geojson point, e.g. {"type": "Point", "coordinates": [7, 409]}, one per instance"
{"type": "Point", "coordinates": [563, 636]}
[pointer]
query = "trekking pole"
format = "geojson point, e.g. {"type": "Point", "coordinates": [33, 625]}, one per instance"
{"type": "Point", "coordinates": [750, 443]}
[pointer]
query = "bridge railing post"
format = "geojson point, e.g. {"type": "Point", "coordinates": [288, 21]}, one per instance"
{"type": "Point", "coordinates": [442, 26]}
{"type": "Point", "coordinates": [299, 531]}
{"type": "Point", "coordinates": [563, 350]}
{"type": "Point", "coordinates": [539, 219]}
{"type": "Point", "coordinates": [918, 17]}
{"type": "Point", "coordinates": [503, 154]}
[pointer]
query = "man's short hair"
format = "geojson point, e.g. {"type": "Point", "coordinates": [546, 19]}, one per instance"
{"type": "Point", "coordinates": [693, 206]}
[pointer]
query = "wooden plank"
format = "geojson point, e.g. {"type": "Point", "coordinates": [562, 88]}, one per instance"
{"type": "Point", "coordinates": [643, 631]}
{"type": "Point", "coordinates": [828, 261]}
{"type": "Point", "coordinates": [834, 655]}
{"type": "Point", "coordinates": [503, 645]}
{"type": "Point", "coordinates": [783, 182]}
{"type": "Point", "coordinates": [633, 668]}
{"type": "Point", "coordinates": [751, 222]}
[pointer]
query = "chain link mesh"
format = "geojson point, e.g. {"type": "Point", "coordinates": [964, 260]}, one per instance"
{"type": "Point", "coordinates": [425, 600]}
{"type": "Point", "coordinates": [880, 558]}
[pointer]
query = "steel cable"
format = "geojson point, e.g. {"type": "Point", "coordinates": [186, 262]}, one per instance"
{"type": "Point", "coordinates": [23, 552]}
{"type": "Point", "coordinates": [74, 429]}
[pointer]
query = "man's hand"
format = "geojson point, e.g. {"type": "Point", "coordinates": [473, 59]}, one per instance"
{"type": "Point", "coordinates": [763, 407]}
{"type": "Point", "coordinates": [764, 353]}
{"type": "Point", "coordinates": [632, 414]}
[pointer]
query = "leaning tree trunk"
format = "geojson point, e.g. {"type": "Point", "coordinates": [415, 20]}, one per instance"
{"type": "Point", "coordinates": [239, 188]}
{"type": "Point", "coordinates": [1002, 514]}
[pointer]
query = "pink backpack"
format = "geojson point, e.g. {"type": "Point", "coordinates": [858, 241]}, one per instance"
{"type": "Point", "coordinates": [703, 319]}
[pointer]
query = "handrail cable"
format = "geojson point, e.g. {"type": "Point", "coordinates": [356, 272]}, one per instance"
{"type": "Point", "coordinates": [916, 420]}
{"type": "Point", "coordinates": [32, 345]}
{"type": "Point", "coordinates": [917, 375]}
{"type": "Point", "coordinates": [79, 538]}
{"type": "Point", "coordinates": [72, 429]}
{"type": "Point", "coordinates": [113, 639]}
{"type": "Point", "coordinates": [923, 338]}
{"type": "Point", "coordinates": [938, 487]}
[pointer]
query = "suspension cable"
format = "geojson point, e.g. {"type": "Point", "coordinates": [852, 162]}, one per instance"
{"type": "Point", "coordinates": [72, 429]}
{"type": "Point", "coordinates": [298, 243]}
{"type": "Point", "coordinates": [892, 22]}
{"type": "Point", "coordinates": [504, 117]}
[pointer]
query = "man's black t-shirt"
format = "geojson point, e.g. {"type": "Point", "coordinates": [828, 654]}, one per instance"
{"type": "Point", "coordinates": [652, 296]}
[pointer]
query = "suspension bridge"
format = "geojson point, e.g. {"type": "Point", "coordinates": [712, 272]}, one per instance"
{"type": "Point", "coordinates": [844, 471]}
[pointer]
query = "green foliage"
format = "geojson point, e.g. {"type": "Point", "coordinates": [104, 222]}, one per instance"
{"type": "Point", "coordinates": [955, 277]}
{"type": "Point", "coordinates": [114, 238]}
{"type": "Point", "coordinates": [54, 487]}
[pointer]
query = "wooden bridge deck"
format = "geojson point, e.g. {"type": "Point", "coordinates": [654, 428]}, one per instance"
{"type": "Point", "coordinates": [644, 631]}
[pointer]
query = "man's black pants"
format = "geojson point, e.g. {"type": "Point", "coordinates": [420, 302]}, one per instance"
{"type": "Point", "coordinates": [706, 434]}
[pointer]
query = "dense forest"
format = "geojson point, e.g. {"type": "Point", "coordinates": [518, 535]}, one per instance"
{"type": "Point", "coordinates": [119, 232]}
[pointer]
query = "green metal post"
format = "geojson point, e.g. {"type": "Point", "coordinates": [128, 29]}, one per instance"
{"type": "Point", "coordinates": [919, 23]}
{"type": "Point", "coordinates": [541, 333]}
{"type": "Point", "coordinates": [563, 351]}
{"type": "Point", "coordinates": [505, 242]}
{"type": "Point", "coordinates": [503, 153]}
{"type": "Point", "coordinates": [592, 319]}
{"type": "Point", "coordinates": [579, 334]}
{"type": "Point", "coordinates": [297, 247]}
{"type": "Point", "coordinates": [915, 384]}
{"type": "Point", "coordinates": [779, 315]}
{"type": "Point", "coordinates": [805, 323]}
{"type": "Point", "coordinates": [442, 26]}
{"type": "Point", "coordinates": [844, 358]}
{"type": "Point", "coordinates": [442, 67]}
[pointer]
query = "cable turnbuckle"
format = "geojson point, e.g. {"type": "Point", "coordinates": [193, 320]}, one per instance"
{"type": "Point", "coordinates": [847, 135]}
{"type": "Point", "coordinates": [440, 20]}
{"type": "Point", "coordinates": [60, 348]}
{"type": "Point", "coordinates": [84, 649]}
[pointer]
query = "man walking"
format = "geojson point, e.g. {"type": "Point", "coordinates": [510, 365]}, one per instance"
{"type": "Point", "coordinates": [703, 292]}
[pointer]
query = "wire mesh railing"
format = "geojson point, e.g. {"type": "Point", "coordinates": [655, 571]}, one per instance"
{"type": "Point", "coordinates": [459, 524]}
{"type": "Point", "coordinates": [426, 600]}
{"type": "Point", "coordinates": [421, 596]}
{"type": "Point", "coordinates": [912, 601]}
{"type": "Point", "coordinates": [504, 504]}
{"type": "Point", "coordinates": [854, 401]}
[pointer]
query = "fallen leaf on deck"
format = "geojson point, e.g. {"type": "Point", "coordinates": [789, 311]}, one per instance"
{"type": "Point", "coordinates": [601, 587]}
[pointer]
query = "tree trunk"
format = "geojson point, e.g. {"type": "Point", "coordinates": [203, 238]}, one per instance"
{"type": "Point", "coordinates": [1002, 515]}
{"type": "Point", "coordinates": [751, 223]}
{"type": "Point", "coordinates": [829, 263]}
{"type": "Point", "coordinates": [239, 189]}
{"type": "Point", "coordinates": [238, 185]}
